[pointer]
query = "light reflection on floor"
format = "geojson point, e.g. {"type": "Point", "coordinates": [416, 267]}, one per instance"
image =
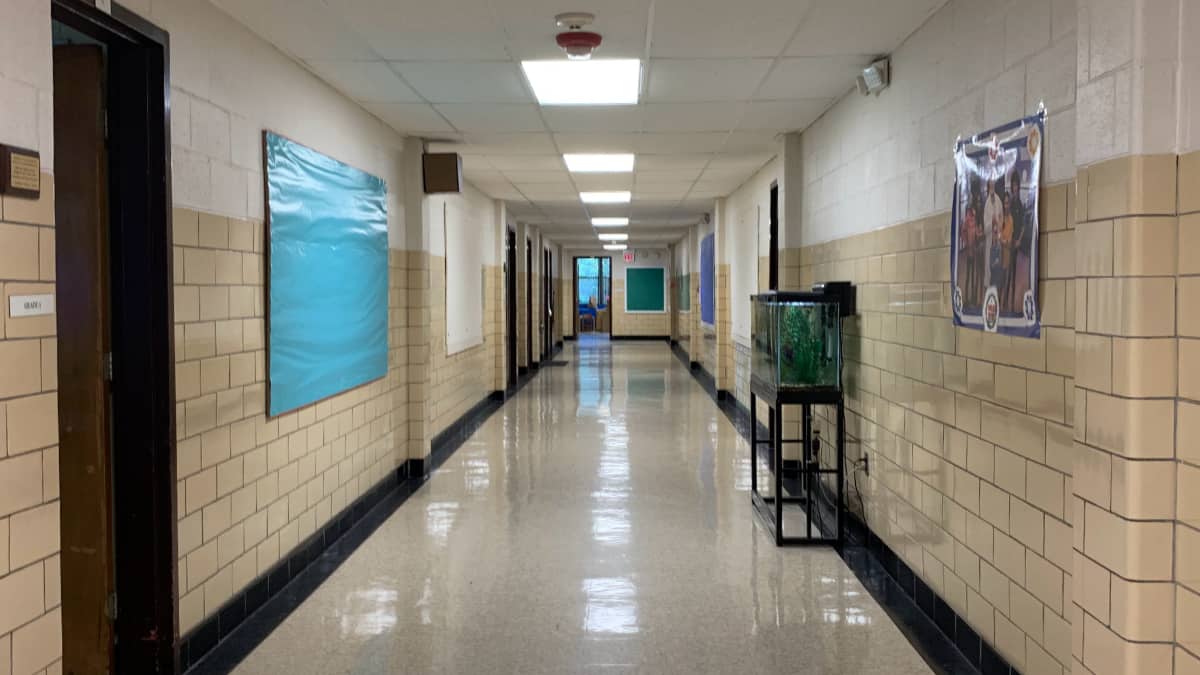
{"type": "Point", "coordinates": [599, 523]}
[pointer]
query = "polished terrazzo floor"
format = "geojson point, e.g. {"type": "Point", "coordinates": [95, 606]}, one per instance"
{"type": "Point", "coordinates": [598, 523]}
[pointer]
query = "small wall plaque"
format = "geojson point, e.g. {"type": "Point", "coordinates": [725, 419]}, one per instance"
{"type": "Point", "coordinates": [30, 305]}
{"type": "Point", "coordinates": [20, 172]}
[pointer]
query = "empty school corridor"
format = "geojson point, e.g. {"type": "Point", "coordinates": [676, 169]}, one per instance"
{"type": "Point", "coordinates": [597, 523]}
{"type": "Point", "coordinates": [360, 337]}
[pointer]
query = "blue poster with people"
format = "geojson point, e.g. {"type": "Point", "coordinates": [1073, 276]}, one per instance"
{"type": "Point", "coordinates": [994, 229]}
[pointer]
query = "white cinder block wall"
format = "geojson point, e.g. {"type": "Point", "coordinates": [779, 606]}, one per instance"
{"type": "Point", "coordinates": [748, 216]}
{"type": "Point", "coordinates": [876, 161]}
{"type": "Point", "coordinates": [227, 86]}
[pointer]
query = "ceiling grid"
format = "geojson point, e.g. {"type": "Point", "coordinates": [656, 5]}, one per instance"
{"type": "Point", "coordinates": [721, 81]}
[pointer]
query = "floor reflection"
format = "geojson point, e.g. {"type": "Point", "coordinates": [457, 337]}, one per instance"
{"type": "Point", "coordinates": [598, 523]}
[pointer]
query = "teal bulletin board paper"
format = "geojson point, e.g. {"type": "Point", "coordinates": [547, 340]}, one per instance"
{"type": "Point", "coordinates": [645, 289]}
{"type": "Point", "coordinates": [327, 282]}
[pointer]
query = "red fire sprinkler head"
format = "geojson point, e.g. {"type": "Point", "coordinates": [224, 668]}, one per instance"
{"type": "Point", "coordinates": [576, 42]}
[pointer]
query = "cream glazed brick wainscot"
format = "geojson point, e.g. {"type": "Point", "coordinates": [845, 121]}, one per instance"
{"type": "Point", "coordinates": [1128, 393]}
{"type": "Point", "coordinates": [252, 488]}
{"type": "Point", "coordinates": [30, 567]}
{"type": "Point", "coordinates": [968, 435]}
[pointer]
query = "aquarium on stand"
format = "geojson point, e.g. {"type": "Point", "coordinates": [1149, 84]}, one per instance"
{"type": "Point", "coordinates": [796, 360]}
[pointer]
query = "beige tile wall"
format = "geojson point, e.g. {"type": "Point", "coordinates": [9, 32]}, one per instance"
{"type": "Point", "coordinates": [566, 317]}
{"type": "Point", "coordinates": [252, 488]}
{"type": "Point", "coordinates": [419, 334]}
{"type": "Point", "coordinates": [724, 327]}
{"type": "Point", "coordinates": [968, 434]}
{"type": "Point", "coordinates": [461, 380]}
{"type": "Point", "coordinates": [30, 603]}
{"type": "Point", "coordinates": [1125, 451]}
{"type": "Point", "coordinates": [1187, 416]}
{"type": "Point", "coordinates": [522, 310]}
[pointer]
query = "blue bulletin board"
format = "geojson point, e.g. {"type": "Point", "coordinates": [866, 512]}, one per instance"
{"type": "Point", "coordinates": [708, 269]}
{"type": "Point", "coordinates": [327, 281]}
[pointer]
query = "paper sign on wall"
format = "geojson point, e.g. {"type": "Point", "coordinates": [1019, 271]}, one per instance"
{"type": "Point", "coordinates": [30, 305]}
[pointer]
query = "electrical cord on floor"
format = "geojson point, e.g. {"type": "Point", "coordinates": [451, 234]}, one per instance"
{"type": "Point", "coordinates": [862, 505]}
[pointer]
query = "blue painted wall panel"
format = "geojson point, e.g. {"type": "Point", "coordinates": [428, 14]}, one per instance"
{"type": "Point", "coordinates": [327, 278]}
{"type": "Point", "coordinates": [708, 273]}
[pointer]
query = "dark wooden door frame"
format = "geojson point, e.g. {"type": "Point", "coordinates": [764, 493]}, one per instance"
{"type": "Point", "coordinates": [547, 303]}
{"type": "Point", "coordinates": [773, 262]}
{"type": "Point", "coordinates": [510, 304]}
{"type": "Point", "coordinates": [531, 362]}
{"type": "Point", "coordinates": [143, 430]}
{"type": "Point", "coordinates": [599, 291]}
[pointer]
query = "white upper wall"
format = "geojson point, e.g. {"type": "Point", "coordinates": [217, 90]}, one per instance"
{"type": "Point", "coordinates": [227, 86]}
{"type": "Point", "coordinates": [747, 215]}
{"type": "Point", "coordinates": [27, 78]}
{"type": "Point", "coordinates": [1139, 78]}
{"type": "Point", "coordinates": [459, 221]}
{"type": "Point", "coordinates": [871, 162]}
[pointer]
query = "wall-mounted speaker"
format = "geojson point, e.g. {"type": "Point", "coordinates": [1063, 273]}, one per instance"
{"type": "Point", "coordinates": [443, 172]}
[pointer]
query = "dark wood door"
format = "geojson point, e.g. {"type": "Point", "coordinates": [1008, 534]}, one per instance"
{"type": "Point", "coordinates": [547, 304]}
{"type": "Point", "coordinates": [530, 361]}
{"type": "Point", "coordinates": [82, 257]}
{"type": "Point", "coordinates": [510, 306]}
{"type": "Point", "coordinates": [773, 262]}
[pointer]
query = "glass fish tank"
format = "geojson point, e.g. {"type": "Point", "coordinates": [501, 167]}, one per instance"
{"type": "Point", "coordinates": [797, 341]}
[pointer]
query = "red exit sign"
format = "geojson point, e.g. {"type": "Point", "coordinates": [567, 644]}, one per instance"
{"type": "Point", "coordinates": [629, 256]}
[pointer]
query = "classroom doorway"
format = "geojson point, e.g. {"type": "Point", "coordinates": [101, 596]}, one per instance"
{"type": "Point", "coordinates": [593, 295]}
{"type": "Point", "coordinates": [531, 362]}
{"type": "Point", "coordinates": [547, 304]}
{"type": "Point", "coordinates": [113, 289]}
{"type": "Point", "coordinates": [773, 244]}
{"type": "Point", "coordinates": [510, 309]}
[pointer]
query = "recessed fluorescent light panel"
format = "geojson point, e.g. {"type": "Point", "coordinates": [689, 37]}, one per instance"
{"type": "Point", "coordinates": [614, 237]}
{"type": "Point", "coordinates": [594, 82]}
{"type": "Point", "coordinates": [614, 163]}
{"type": "Point", "coordinates": [615, 197]}
{"type": "Point", "coordinates": [615, 247]}
{"type": "Point", "coordinates": [610, 222]}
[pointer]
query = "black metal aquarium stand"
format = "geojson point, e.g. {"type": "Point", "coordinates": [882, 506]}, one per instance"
{"type": "Point", "coordinates": [799, 484]}
{"type": "Point", "coordinates": [803, 483]}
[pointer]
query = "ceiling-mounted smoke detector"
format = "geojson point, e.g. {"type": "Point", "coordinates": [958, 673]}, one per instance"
{"type": "Point", "coordinates": [875, 77]}
{"type": "Point", "coordinates": [576, 42]}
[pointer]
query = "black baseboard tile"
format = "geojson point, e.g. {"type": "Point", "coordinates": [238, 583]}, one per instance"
{"type": "Point", "coordinates": [642, 338]}
{"type": "Point", "coordinates": [217, 644]}
{"type": "Point", "coordinates": [454, 435]}
{"type": "Point", "coordinates": [706, 380]}
{"type": "Point", "coordinates": [939, 634]}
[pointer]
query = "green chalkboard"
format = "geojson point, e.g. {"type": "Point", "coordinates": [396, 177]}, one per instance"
{"type": "Point", "coordinates": [645, 289]}
{"type": "Point", "coordinates": [683, 293]}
